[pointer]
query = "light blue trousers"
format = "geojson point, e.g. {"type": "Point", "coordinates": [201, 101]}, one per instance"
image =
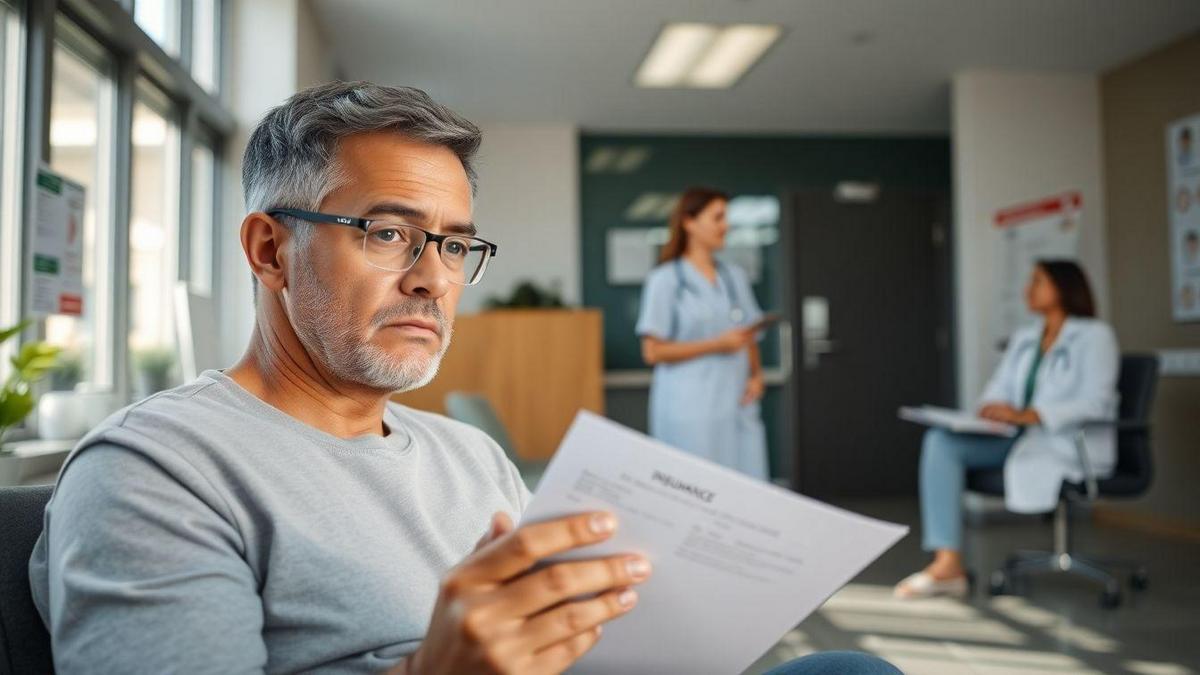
{"type": "Point", "coordinates": [945, 458]}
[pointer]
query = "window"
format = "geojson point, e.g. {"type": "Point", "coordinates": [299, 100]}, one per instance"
{"type": "Point", "coordinates": [81, 139]}
{"type": "Point", "coordinates": [10, 185]}
{"type": "Point", "coordinates": [203, 206]}
{"type": "Point", "coordinates": [153, 242]}
{"type": "Point", "coordinates": [160, 20]}
{"type": "Point", "coordinates": [205, 43]}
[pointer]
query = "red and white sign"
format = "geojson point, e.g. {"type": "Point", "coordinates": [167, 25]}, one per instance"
{"type": "Point", "coordinates": [1041, 229]}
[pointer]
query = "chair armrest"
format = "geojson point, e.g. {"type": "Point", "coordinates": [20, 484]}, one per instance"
{"type": "Point", "coordinates": [1089, 476]}
{"type": "Point", "coordinates": [1120, 425]}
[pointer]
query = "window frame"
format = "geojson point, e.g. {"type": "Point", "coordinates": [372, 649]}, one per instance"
{"type": "Point", "coordinates": [199, 137]}
{"type": "Point", "coordinates": [110, 24]}
{"type": "Point", "coordinates": [73, 38]}
{"type": "Point", "coordinates": [12, 65]}
{"type": "Point", "coordinates": [148, 94]}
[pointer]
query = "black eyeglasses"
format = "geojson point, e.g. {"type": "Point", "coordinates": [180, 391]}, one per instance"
{"type": "Point", "coordinates": [395, 246]}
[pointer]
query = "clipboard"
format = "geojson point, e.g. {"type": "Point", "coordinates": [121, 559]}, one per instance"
{"type": "Point", "coordinates": [765, 322]}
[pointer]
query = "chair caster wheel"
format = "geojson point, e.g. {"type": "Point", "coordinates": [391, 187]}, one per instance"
{"type": "Point", "coordinates": [999, 584]}
{"type": "Point", "coordinates": [1110, 599]}
{"type": "Point", "coordinates": [1139, 580]}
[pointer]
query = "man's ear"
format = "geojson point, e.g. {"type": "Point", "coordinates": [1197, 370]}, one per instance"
{"type": "Point", "coordinates": [263, 238]}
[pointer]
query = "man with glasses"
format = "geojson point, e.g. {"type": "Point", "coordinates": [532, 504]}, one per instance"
{"type": "Point", "coordinates": [283, 515]}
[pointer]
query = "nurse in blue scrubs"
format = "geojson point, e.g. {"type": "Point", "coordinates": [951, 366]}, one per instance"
{"type": "Point", "coordinates": [694, 325]}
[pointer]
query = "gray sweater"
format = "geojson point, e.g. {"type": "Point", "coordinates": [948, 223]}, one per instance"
{"type": "Point", "coordinates": [203, 530]}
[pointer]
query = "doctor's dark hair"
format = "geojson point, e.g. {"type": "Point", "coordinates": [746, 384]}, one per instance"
{"type": "Point", "coordinates": [1074, 291]}
{"type": "Point", "coordinates": [690, 204]}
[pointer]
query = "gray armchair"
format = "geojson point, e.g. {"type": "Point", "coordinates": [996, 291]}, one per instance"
{"type": "Point", "coordinates": [24, 642]}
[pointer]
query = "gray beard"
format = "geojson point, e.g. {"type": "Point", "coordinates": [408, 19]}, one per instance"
{"type": "Point", "coordinates": [344, 352]}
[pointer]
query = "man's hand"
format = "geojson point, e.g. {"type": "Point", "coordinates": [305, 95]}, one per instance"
{"type": "Point", "coordinates": [497, 614]}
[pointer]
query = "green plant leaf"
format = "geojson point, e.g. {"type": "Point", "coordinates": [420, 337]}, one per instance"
{"type": "Point", "coordinates": [14, 406]}
{"type": "Point", "coordinates": [9, 332]}
{"type": "Point", "coordinates": [34, 360]}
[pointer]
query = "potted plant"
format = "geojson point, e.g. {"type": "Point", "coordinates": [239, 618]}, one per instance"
{"type": "Point", "coordinates": [32, 362]}
{"type": "Point", "coordinates": [153, 366]}
{"type": "Point", "coordinates": [67, 372]}
{"type": "Point", "coordinates": [527, 294]}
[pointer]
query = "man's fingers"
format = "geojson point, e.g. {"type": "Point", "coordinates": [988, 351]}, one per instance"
{"type": "Point", "coordinates": [521, 549]}
{"type": "Point", "coordinates": [499, 525]}
{"type": "Point", "coordinates": [569, 619]}
{"type": "Point", "coordinates": [551, 585]}
{"type": "Point", "coordinates": [559, 657]}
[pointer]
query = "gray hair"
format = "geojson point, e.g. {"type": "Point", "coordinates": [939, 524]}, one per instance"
{"type": "Point", "coordinates": [290, 159]}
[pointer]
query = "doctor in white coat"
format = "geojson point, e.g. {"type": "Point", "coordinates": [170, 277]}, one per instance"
{"type": "Point", "coordinates": [1056, 375]}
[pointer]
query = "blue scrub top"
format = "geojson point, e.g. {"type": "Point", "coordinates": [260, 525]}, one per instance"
{"type": "Point", "coordinates": [695, 405]}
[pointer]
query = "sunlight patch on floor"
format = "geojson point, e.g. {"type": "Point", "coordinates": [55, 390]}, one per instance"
{"type": "Point", "coordinates": [977, 630]}
{"type": "Point", "coordinates": [1157, 668]}
{"type": "Point", "coordinates": [879, 600]}
{"type": "Point", "coordinates": [1019, 610]}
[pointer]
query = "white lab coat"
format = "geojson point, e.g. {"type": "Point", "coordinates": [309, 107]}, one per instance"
{"type": "Point", "coordinates": [1076, 383]}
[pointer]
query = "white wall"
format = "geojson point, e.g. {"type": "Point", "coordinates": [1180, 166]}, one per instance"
{"type": "Point", "coordinates": [1018, 136]}
{"type": "Point", "coordinates": [262, 74]}
{"type": "Point", "coordinates": [314, 53]}
{"type": "Point", "coordinates": [528, 204]}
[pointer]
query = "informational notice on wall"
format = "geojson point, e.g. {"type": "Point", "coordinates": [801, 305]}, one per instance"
{"type": "Point", "coordinates": [56, 254]}
{"type": "Point", "coordinates": [1183, 183]}
{"type": "Point", "coordinates": [1046, 228]}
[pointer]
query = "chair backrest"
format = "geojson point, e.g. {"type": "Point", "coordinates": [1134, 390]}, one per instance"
{"type": "Point", "coordinates": [1136, 386]}
{"type": "Point", "coordinates": [475, 410]}
{"type": "Point", "coordinates": [24, 642]}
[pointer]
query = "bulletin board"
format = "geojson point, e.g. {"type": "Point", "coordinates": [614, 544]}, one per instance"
{"type": "Point", "coordinates": [1183, 197]}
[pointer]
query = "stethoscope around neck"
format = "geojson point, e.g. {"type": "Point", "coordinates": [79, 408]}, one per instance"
{"type": "Point", "coordinates": [1056, 353]}
{"type": "Point", "coordinates": [736, 313]}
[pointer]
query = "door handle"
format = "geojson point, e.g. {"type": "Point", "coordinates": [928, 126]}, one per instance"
{"type": "Point", "coordinates": [783, 373]}
{"type": "Point", "coordinates": [814, 348]}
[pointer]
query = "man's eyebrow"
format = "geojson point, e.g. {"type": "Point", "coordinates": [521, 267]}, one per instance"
{"type": "Point", "coordinates": [415, 214]}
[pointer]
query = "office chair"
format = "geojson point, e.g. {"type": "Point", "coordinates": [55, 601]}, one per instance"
{"type": "Point", "coordinates": [24, 642]}
{"type": "Point", "coordinates": [475, 410]}
{"type": "Point", "coordinates": [1131, 478]}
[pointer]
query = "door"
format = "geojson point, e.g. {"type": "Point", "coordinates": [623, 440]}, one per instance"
{"type": "Point", "coordinates": [872, 282]}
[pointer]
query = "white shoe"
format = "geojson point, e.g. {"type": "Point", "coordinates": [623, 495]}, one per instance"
{"type": "Point", "coordinates": [923, 585]}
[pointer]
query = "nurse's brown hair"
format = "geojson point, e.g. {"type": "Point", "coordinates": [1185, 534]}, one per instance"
{"type": "Point", "coordinates": [690, 204]}
{"type": "Point", "coordinates": [1074, 291]}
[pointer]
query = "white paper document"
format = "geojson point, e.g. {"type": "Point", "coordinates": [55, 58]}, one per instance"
{"type": "Point", "coordinates": [737, 562]}
{"type": "Point", "coordinates": [962, 421]}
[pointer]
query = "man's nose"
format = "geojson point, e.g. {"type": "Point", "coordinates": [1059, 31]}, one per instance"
{"type": "Point", "coordinates": [427, 277]}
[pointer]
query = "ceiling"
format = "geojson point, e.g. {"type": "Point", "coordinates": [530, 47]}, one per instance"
{"type": "Point", "coordinates": [850, 66]}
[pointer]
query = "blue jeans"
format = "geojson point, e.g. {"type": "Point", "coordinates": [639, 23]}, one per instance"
{"type": "Point", "coordinates": [836, 663]}
{"type": "Point", "coordinates": [945, 458]}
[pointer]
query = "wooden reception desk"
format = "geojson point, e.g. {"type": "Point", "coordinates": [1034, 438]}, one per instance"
{"type": "Point", "coordinates": [537, 367]}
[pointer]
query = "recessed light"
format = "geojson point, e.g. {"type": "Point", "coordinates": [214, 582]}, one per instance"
{"type": "Point", "coordinates": [705, 56]}
{"type": "Point", "coordinates": [674, 54]}
{"type": "Point", "coordinates": [731, 55]}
